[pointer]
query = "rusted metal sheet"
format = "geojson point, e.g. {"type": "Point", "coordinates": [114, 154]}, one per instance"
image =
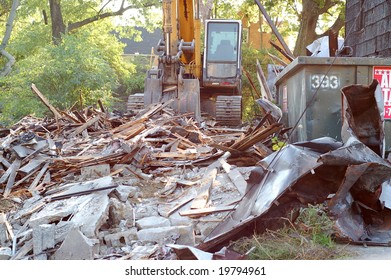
{"type": "Point", "coordinates": [362, 115]}
{"type": "Point", "coordinates": [351, 173]}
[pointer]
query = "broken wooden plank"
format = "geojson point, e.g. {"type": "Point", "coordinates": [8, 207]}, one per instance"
{"type": "Point", "coordinates": [56, 114]}
{"type": "Point", "coordinates": [273, 57]}
{"type": "Point", "coordinates": [27, 247]}
{"type": "Point", "coordinates": [32, 166]}
{"type": "Point", "coordinates": [22, 151]}
{"type": "Point", "coordinates": [7, 225]}
{"type": "Point", "coordinates": [86, 125]}
{"type": "Point", "coordinates": [283, 52]}
{"type": "Point", "coordinates": [24, 179]}
{"type": "Point", "coordinates": [265, 91]}
{"type": "Point", "coordinates": [184, 155]}
{"type": "Point", "coordinates": [169, 188]}
{"type": "Point", "coordinates": [178, 206]}
{"type": "Point", "coordinates": [41, 145]}
{"type": "Point", "coordinates": [4, 162]}
{"type": "Point", "coordinates": [203, 194]}
{"type": "Point", "coordinates": [206, 211]}
{"type": "Point", "coordinates": [261, 134]}
{"type": "Point", "coordinates": [12, 175]}
{"type": "Point", "coordinates": [274, 28]}
{"type": "Point", "coordinates": [38, 178]}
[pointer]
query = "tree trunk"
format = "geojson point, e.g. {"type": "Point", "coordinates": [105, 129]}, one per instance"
{"type": "Point", "coordinates": [11, 60]}
{"type": "Point", "coordinates": [312, 9]}
{"type": "Point", "coordinates": [307, 34]}
{"type": "Point", "coordinates": [206, 9]}
{"type": "Point", "coordinates": [58, 26]}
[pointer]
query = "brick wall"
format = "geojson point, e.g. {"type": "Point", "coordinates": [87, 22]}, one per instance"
{"type": "Point", "coordinates": [368, 30]}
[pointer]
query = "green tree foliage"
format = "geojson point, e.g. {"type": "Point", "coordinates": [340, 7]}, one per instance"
{"type": "Point", "coordinates": [80, 70]}
{"type": "Point", "coordinates": [303, 20]}
{"type": "Point", "coordinates": [85, 67]}
{"type": "Point", "coordinates": [250, 55]}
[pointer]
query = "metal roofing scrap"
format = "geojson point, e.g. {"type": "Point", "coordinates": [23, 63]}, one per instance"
{"type": "Point", "coordinates": [348, 176]}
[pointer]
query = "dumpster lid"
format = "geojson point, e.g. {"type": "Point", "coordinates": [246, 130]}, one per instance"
{"type": "Point", "coordinates": [302, 61]}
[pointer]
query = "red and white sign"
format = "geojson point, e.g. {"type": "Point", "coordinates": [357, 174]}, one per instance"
{"type": "Point", "coordinates": [383, 75]}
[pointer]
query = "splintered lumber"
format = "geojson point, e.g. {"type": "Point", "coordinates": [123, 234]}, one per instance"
{"type": "Point", "coordinates": [178, 206]}
{"type": "Point", "coordinates": [273, 57]}
{"type": "Point", "coordinates": [203, 195]}
{"type": "Point", "coordinates": [255, 137]}
{"type": "Point", "coordinates": [274, 28]}
{"type": "Point", "coordinates": [32, 166]}
{"type": "Point", "coordinates": [90, 122]}
{"type": "Point", "coordinates": [184, 155]}
{"type": "Point", "coordinates": [131, 132]}
{"type": "Point", "coordinates": [127, 125]}
{"type": "Point", "coordinates": [12, 175]}
{"type": "Point", "coordinates": [206, 211]}
{"type": "Point", "coordinates": [27, 247]}
{"type": "Point", "coordinates": [4, 162]}
{"type": "Point", "coordinates": [34, 184]}
{"type": "Point", "coordinates": [263, 83]}
{"type": "Point", "coordinates": [258, 93]}
{"type": "Point", "coordinates": [289, 57]}
{"type": "Point", "coordinates": [56, 114]}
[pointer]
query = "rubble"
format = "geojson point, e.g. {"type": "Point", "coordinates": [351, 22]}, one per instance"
{"type": "Point", "coordinates": [76, 246]}
{"type": "Point", "coordinates": [124, 187]}
{"type": "Point", "coordinates": [120, 186]}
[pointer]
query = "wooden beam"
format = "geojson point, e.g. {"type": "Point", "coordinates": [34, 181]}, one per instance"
{"type": "Point", "coordinates": [56, 114]}
{"type": "Point", "coordinates": [274, 28]}
{"type": "Point", "coordinates": [205, 211]}
{"type": "Point", "coordinates": [263, 82]}
{"type": "Point", "coordinates": [12, 175]}
{"type": "Point", "coordinates": [203, 195]}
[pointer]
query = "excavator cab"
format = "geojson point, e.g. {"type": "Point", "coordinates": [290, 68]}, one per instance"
{"type": "Point", "coordinates": [221, 67]}
{"type": "Point", "coordinates": [221, 75]}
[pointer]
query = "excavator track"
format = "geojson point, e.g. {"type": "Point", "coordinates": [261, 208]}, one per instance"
{"type": "Point", "coordinates": [229, 110]}
{"type": "Point", "coordinates": [135, 102]}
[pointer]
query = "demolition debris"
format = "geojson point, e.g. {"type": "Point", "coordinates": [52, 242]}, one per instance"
{"type": "Point", "coordinates": [120, 186]}
{"type": "Point", "coordinates": [155, 185]}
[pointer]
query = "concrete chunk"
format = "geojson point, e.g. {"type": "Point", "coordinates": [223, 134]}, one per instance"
{"type": "Point", "coordinates": [56, 210]}
{"type": "Point", "coordinates": [143, 211]}
{"type": "Point", "coordinates": [120, 211]}
{"type": "Point", "coordinates": [92, 214]}
{"type": "Point", "coordinates": [152, 222]}
{"type": "Point", "coordinates": [5, 253]}
{"type": "Point", "coordinates": [75, 247]}
{"type": "Point", "coordinates": [123, 192]}
{"type": "Point", "coordinates": [43, 238]}
{"type": "Point", "coordinates": [183, 235]}
{"type": "Point", "coordinates": [121, 238]}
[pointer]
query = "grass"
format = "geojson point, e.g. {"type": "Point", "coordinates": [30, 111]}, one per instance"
{"type": "Point", "coordinates": [308, 238]}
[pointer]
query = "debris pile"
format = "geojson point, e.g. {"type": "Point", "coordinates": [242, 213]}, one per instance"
{"type": "Point", "coordinates": [120, 186]}
{"type": "Point", "coordinates": [94, 185]}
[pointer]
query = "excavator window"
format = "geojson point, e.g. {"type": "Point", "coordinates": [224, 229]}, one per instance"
{"type": "Point", "coordinates": [222, 41]}
{"type": "Point", "coordinates": [222, 50]}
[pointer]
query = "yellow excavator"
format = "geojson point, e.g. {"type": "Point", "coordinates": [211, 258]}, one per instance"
{"type": "Point", "coordinates": [198, 81]}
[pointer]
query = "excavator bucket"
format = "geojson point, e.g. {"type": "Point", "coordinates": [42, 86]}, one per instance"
{"type": "Point", "coordinates": [189, 97]}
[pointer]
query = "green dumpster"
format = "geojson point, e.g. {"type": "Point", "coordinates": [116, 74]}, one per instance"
{"type": "Point", "coordinates": [320, 115]}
